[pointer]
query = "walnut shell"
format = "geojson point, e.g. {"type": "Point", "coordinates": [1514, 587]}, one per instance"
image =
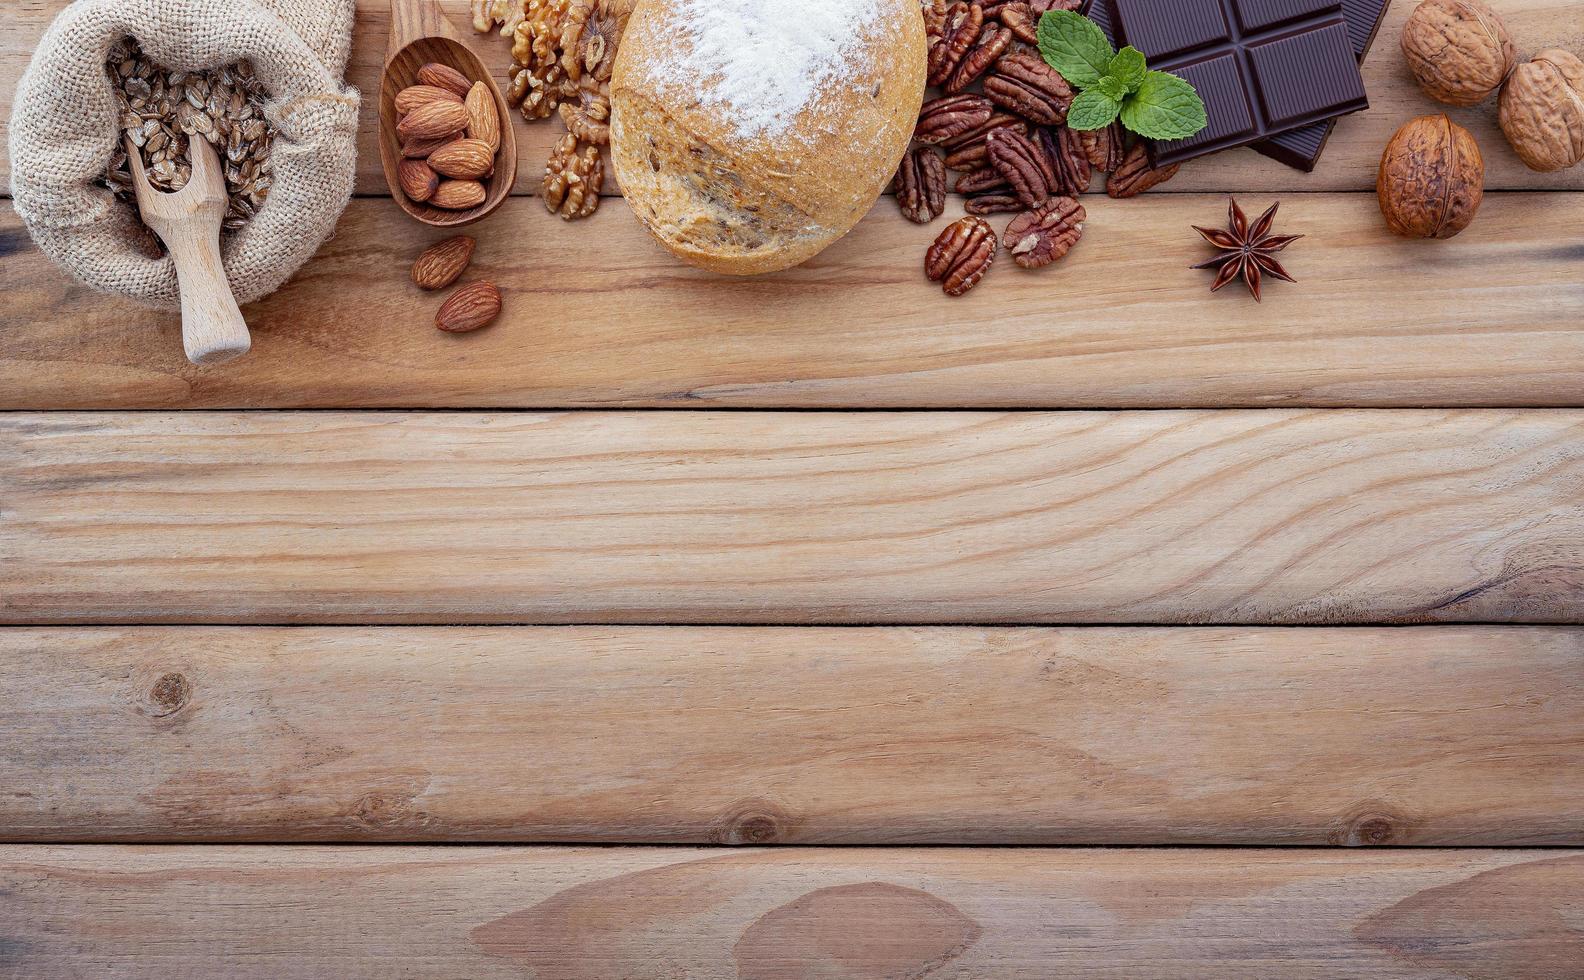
{"type": "Point", "coordinates": [1432, 178]}
{"type": "Point", "coordinates": [1458, 50]}
{"type": "Point", "coordinates": [1542, 111]}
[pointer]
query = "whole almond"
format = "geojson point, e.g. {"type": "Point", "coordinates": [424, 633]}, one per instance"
{"type": "Point", "coordinates": [432, 119]}
{"type": "Point", "coordinates": [458, 195]}
{"type": "Point", "coordinates": [473, 306]}
{"type": "Point", "coordinates": [414, 96]}
{"type": "Point", "coordinates": [444, 76]}
{"type": "Point", "coordinates": [419, 149]}
{"type": "Point", "coordinates": [443, 263]}
{"type": "Point", "coordinates": [418, 180]}
{"type": "Point", "coordinates": [467, 159]}
{"type": "Point", "coordinates": [484, 122]}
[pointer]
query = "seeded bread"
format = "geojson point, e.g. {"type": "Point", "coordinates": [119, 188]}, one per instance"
{"type": "Point", "coordinates": [741, 176]}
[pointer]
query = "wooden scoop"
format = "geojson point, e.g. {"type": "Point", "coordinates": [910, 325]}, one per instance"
{"type": "Point", "coordinates": [188, 222]}
{"type": "Point", "coordinates": [421, 33]}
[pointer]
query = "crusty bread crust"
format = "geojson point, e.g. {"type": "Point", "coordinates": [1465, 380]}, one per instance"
{"type": "Point", "coordinates": [749, 205]}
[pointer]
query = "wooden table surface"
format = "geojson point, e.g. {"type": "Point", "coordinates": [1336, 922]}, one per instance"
{"type": "Point", "coordinates": [1089, 562]}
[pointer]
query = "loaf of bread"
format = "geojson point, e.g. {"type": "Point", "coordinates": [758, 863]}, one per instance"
{"type": "Point", "coordinates": [747, 135]}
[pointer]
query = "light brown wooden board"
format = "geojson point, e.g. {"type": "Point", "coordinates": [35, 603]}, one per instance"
{"type": "Point", "coordinates": [1349, 163]}
{"type": "Point", "coordinates": [597, 913]}
{"type": "Point", "coordinates": [1446, 735]}
{"type": "Point", "coordinates": [597, 315]}
{"type": "Point", "coordinates": [762, 517]}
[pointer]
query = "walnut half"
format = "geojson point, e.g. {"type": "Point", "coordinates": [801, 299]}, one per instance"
{"type": "Point", "coordinates": [573, 178]}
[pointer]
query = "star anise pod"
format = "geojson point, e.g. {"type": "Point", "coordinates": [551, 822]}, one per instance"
{"type": "Point", "coordinates": [1247, 250]}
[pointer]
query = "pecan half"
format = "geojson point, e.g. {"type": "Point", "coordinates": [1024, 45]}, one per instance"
{"type": "Point", "coordinates": [1068, 163]}
{"type": "Point", "coordinates": [1135, 175]}
{"type": "Point", "coordinates": [1042, 235]}
{"type": "Point", "coordinates": [979, 132]}
{"type": "Point", "coordinates": [1026, 85]}
{"type": "Point", "coordinates": [961, 30]}
{"type": "Point", "coordinates": [1022, 163]}
{"type": "Point", "coordinates": [934, 19]}
{"type": "Point", "coordinates": [980, 181]}
{"type": "Point", "coordinates": [993, 43]}
{"type": "Point", "coordinates": [992, 204]}
{"type": "Point", "coordinates": [921, 186]}
{"type": "Point", "coordinates": [1022, 18]}
{"type": "Point", "coordinates": [952, 116]}
{"type": "Point", "coordinates": [967, 152]}
{"type": "Point", "coordinates": [1105, 147]}
{"type": "Point", "coordinates": [961, 255]}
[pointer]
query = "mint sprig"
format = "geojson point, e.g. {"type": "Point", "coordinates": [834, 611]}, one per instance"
{"type": "Point", "coordinates": [1111, 83]}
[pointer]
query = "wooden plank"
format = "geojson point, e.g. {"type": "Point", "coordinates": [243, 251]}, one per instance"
{"type": "Point", "coordinates": [595, 913]}
{"type": "Point", "coordinates": [1491, 318]}
{"type": "Point", "coordinates": [1349, 163]}
{"type": "Point", "coordinates": [806, 735]}
{"type": "Point", "coordinates": [760, 517]}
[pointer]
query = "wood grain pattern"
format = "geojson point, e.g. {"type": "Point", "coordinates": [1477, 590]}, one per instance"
{"type": "Point", "coordinates": [597, 315]}
{"type": "Point", "coordinates": [1349, 163]}
{"type": "Point", "coordinates": [596, 913]}
{"type": "Point", "coordinates": [761, 517]}
{"type": "Point", "coordinates": [1445, 735]}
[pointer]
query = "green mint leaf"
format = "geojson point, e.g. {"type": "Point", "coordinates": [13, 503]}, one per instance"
{"type": "Point", "coordinates": [1092, 109]}
{"type": "Point", "coordinates": [1075, 46]}
{"type": "Point", "coordinates": [1127, 67]}
{"type": "Point", "coordinates": [1111, 87]}
{"type": "Point", "coordinates": [1164, 108]}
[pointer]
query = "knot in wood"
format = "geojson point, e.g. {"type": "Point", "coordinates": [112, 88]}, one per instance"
{"type": "Point", "coordinates": [753, 823]}
{"type": "Point", "coordinates": [169, 694]}
{"type": "Point", "coordinates": [1371, 825]}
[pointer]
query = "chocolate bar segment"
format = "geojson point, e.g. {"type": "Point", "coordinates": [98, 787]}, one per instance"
{"type": "Point", "coordinates": [1261, 66]}
{"type": "Point", "coordinates": [1301, 148]}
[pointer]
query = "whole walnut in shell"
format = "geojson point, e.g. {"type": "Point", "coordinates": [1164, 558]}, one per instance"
{"type": "Point", "coordinates": [1432, 178]}
{"type": "Point", "coordinates": [1542, 111]}
{"type": "Point", "coordinates": [1459, 50]}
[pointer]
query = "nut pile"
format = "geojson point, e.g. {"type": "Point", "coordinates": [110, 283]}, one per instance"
{"type": "Point", "coordinates": [563, 52]}
{"type": "Point", "coordinates": [1431, 179]}
{"type": "Point", "coordinates": [161, 110]}
{"type": "Point", "coordinates": [450, 133]}
{"type": "Point", "coordinates": [1008, 143]}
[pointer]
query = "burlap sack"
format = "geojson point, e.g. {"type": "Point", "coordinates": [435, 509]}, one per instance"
{"type": "Point", "coordinates": [64, 128]}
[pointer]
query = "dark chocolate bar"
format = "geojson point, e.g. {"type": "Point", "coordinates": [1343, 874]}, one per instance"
{"type": "Point", "coordinates": [1262, 67]}
{"type": "Point", "coordinates": [1297, 148]}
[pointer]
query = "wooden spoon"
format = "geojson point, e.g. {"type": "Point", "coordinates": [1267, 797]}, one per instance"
{"type": "Point", "coordinates": [188, 222]}
{"type": "Point", "coordinates": [421, 33]}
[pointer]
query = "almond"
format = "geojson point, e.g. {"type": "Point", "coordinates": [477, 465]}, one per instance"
{"type": "Point", "coordinates": [484, 122]}
{"type": "Point", "coordinates": [458, 195]}
{"type": "Point", "coordinates": [465, 159]}
{"type": "Point", "coordinates": [414, 96]}
{"type": "Point", "coordinates": [418, 181]}
{"type": "Point", "coordinates": [443, 263]}
{"type": "Point", "coordinates": [444, 76]}
{"type": "Point", "coordinates": [432, 119]}
{"type": "Point", "coordinates": [419, 149]}
{"type": "Point", "coordinates": [473, 306]}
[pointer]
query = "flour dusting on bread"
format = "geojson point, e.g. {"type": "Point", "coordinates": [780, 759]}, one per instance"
{"type": "Point", "coordinates": [761, 62]}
